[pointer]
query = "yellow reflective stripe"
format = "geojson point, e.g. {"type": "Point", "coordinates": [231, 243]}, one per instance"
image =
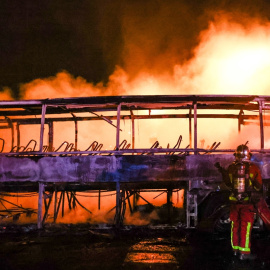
{"type": "Point", "coordinates": [248, 235]}
{"type": "Point", "coordinates": [231, 198]}
{"type": "Point", "coordinates": [247, 248]}
{"type": "Point", "coordinates": [251, 175]}
{"type": "Point", "coordinates": [244, 249]}
{"type": "Point", "coordinates": [234, 247]}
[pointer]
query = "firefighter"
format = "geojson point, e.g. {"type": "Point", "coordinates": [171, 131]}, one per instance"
{"type": "Point", "coordinates": [245, 182]}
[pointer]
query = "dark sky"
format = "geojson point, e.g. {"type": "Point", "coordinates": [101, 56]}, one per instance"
{"type": "Point", "coordinates": [89, 38]}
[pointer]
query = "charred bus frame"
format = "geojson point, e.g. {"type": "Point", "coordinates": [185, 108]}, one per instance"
{"type": "Point", "coordinates": [120, 169]}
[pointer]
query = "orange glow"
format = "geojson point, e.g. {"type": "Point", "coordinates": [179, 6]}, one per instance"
{"type": "Point", "coordinates": [19, 202]}
{"type": "Point", "coordinates": [5, 94]}
{"type": "Point", "coordinates": [151, 258]}
{"type": "Point", "coordinates": [152, 252]}
{"type": "Point", "coordinates": [230, 59]}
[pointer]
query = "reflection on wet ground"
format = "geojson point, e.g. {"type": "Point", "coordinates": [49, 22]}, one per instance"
{"type": "Point", "coordinates": [154, 251]}
{"type": "Point", "coordinates": [80, 247]}
{"type": "Point", "coordinates": [195, 251]}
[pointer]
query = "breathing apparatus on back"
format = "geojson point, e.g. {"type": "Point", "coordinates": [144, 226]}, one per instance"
{"type": "Point", "coordinates": [240, 176]}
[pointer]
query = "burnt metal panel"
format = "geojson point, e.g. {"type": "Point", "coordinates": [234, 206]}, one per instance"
{"type": "Point", "coordinates": [141, 168]}
{"type": "Point", "coordinates": [125, 168]}
{"type": "Point", "coordinates": [203, 166]}
{"type": "Point", "coordinates": [84, 169]}
{"type": "Point", "coordinates": [18, 169]}
{"type": "Point", "coordinates": [263, 161]}
{"type": "Point", "coordinates": [110, 103]}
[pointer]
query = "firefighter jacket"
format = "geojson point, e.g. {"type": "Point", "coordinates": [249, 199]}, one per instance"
{"type": "Point", "coordinates": [244, 180]}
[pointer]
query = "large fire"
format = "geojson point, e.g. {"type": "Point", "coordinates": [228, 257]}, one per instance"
{"type": "Point", "coordinates": [230, 59]}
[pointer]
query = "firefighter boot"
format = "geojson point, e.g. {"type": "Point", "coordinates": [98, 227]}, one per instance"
{"type": "Point", "coordinates": [249, 257]}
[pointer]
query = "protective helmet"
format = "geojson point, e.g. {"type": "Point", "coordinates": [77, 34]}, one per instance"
{"type": "Point", "coordinates": [242, 151]}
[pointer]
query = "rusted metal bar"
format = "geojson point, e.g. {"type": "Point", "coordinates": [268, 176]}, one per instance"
{"type": "Point", "coordinates": [120, 208]}
{"type": "Point", "coordinates": [3, 145]}
{"type": "Point", "coordinates": [63, 143]}
{"type": "Point", "coordinates": [58, 206]}
{"type": "Point", "coordinates": [169, 204]}
{"type": "Point", "coordinates": [99, 147]}
{"type": "Point", "coordinates": [40, 199]}
{"type": "Point", "coordinates": [37, 120]}
{"type": "Point", "coordinates": [23, 209]}
{"type": "Point", "coordinates": [213, 147]}
{"type": "Point", "coordinates": [12, 131]}
{"type": "Point", "coordinates": [18, 148]}
{"type": "Point", "coordinates": [43, 112]}
{"type": "Point", "coordinates": [190, 128]}
{"type": "Point", "coordinates": [99, 195]}
{"type": "Point", "coordinates": [145, 106]}
{"type": "Point", "coordinates": [92, 146]}
{"type": "Point", "coordinates": [261, 124]}
{"type": "Point", "coordinates": [69, 200]}
{"type": "Point", "coordinates": [177, 145]}
{"type": "Point", "coordinates": [129, 203]}
{"type": "Point", "coordinates": [240, 120]}
{"type": "Point", "coordinates": [118, 126]}
{"type": "Point", "coordinates": [73, 196]}
{"type": "Point", "coordinates": [76, 131]}
{"type": "Point", "coordinates": [195, 127]}
{"type": "Point", "coordinates": [124, 151]}
{"type": "Point", "coordinates": [138, 100]}
{"type": "Point", "coordinates": [159, 194]}
{"type": "Point", "coordinates": [81, 204]}
{"type": "Point", "coordinates": [18, 135]}
{"type": "Point", "coordinates": [133, 128]}
{"type": "Point", "coordinates": [63, 203]}
{"type": "Point", "coordinates": [135, 199]}
{"type": "Point", "coordinates": [6, 210]}
{"type": "Point", "coordinates": [47, 205]}
{"type": "Point", "coordinates": [34, 147]}
{"type": "Point", "coordinates": [123, 207]}
{"type": "Point", "coordinates": [139, 195]}
{"type": "Point", "coordinates": [118, 203]}
{"type": "Point", "coordinates": [50, 142]}
{"type": "Point", "coordinates": [124, 145]}
{"type": "Point", "coordinates": [55, 205]}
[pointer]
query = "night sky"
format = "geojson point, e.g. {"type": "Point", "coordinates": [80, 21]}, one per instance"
{"type": "Point", "coordinates": [89, 38]}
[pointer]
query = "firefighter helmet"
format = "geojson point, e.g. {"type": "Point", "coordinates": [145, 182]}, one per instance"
{"type": "Point", "coordinates": [242, 152]}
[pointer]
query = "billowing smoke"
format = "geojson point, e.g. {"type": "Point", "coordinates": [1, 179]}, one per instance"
{"type": "Point", "coordinates": [230, 58]}
{"type": "Point", "coordinates": [90, 39]}
{"type": "Point", "coordinates": [6, 94]}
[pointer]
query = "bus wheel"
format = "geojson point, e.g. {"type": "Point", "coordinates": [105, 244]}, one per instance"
{"type": "Point", "coordinates": [215, 213]}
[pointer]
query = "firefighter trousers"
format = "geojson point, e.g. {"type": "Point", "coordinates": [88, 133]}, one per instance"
{"type": "Point", "coordinates": [242, 219]}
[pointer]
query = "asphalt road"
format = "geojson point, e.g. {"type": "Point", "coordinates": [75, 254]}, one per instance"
{"type": "Point", "coordinates": [78, 247]}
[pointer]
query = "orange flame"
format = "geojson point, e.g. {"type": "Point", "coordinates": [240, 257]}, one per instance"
{"type": "Point", "coordinates": [231, 58]}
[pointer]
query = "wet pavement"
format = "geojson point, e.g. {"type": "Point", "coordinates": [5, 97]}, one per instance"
{"type": "Point", "coordinates": [83, 246]}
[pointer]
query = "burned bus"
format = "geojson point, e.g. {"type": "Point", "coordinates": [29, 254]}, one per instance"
{"type": "Point", "coordinates": [126, 147]}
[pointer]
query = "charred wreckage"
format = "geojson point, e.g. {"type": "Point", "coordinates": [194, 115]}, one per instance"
{"type": "Point", "coordinates": [128, 169]}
